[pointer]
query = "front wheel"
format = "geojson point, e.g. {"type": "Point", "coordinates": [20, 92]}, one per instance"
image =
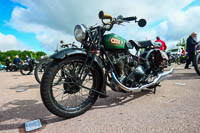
{"type": "Point", "coordinates": [39, 70]}
{"type": "Point", "coordinates": [72, 96]}
{"type": "Point", "coordinates": [178, 61]}
{"type": "Point", "coordinates": [197, 63]}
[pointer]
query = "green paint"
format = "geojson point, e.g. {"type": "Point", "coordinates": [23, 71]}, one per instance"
{"type": "Point", "coordinates": [113, 41]}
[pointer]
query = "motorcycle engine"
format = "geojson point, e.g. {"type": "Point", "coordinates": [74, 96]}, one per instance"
{"type": "Point", "coordinates": [129, 71]}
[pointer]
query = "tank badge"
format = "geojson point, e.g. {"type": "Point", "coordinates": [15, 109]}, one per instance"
{"type": "Point", "coordinates": [115, 41]}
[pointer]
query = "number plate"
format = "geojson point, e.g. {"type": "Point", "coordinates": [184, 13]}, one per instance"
{"type": "Point", "coordinates": [32, 125]}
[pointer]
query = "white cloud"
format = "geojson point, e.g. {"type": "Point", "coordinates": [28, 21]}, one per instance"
{"type": "Point", "coordinates": [50, 38]}
{"type": "Point", "coordinates": [182, 23]}
{"type": "Point", "coordinates": [9, 42]}
{"type": "Point", "coordinates": [54, 20]}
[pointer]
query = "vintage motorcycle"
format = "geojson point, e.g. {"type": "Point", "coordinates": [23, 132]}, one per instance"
{"type": "Point", "coordinates": [27, 67]}
{"type": "Point", "coordinates": [176, 58]}
{"type": "Point", "coordinates": [105, 59]}
{"type": "Point", "coordinates": [197, 59]}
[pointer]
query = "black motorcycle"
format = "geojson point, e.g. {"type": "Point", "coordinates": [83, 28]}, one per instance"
{"type": "Point", "coordinates": [27, 67]}
{"type": "Point", "coordinates": [104, 59]}
{"type": "Point", "coordinates": [196, 61]}
{"type": "Point", "coordinates": [14, 67]}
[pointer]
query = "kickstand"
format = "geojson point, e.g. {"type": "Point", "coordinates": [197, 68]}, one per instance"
{"type": "Point", "coordinates": [154, 90]}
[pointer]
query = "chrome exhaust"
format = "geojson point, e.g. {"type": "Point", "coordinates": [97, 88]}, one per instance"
{"type": "Point", "coordinates": [160, 77]}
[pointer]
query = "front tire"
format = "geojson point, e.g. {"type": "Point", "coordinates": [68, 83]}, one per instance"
{"type": "Point", "coordinates": [25, 69]}
{"type": "Point", "coordinates": [72, 102]}
{"type": "Point", "coordinates": [178, 60]}
{"type": "Point", "coordinates": [39, 70]}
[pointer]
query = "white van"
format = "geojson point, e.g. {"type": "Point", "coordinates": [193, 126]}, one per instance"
{"type": "Point", "coordinates": [176, 51]}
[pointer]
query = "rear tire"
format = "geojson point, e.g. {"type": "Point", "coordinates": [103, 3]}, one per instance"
{"type": "Point", "coordinates": [197, 63]}
{"type": "Point", "coordinates": [71, 87]}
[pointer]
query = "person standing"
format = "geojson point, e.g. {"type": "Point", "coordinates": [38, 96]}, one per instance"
{"type": "Point", "coordinates": [29, 61]}
{"type": "Point", "coordinates": [183, 52]}
{"type": "Point", "coordinates": [190, 49]}
{"type": "Point", "coordinates": [164, 46]}
{"type": "Point", "coordinates": [7, 64]}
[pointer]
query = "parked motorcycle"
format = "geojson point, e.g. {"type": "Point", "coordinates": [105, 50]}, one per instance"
{"type": "Point", "coordinates": [176, 58]}
{"type": "Point", "coordinates": [196, 61]}
{"type": "Point", "coordinates": [41, 66]}
{"type": "Point", "coordinates": [105, 59]}
{"type": "Point", "coordinates": [14, 67]}
{"type": "Point", "coordinates": [27, 67]}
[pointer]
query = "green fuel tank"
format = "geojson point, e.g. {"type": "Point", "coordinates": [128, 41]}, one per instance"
{"type": "Point", "coordinates": [113, 41]}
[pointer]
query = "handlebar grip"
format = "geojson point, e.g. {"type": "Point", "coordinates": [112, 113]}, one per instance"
{"type": "Point", "coordinates": [130, 18]}
{"type": "Point", "coordinates": [104, 16]}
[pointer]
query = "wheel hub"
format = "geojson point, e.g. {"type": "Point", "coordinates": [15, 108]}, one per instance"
{"type": "Point", "coordinates": [71, 85]}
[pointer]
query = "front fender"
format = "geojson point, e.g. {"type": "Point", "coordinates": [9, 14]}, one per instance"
{"type": "Point", "coordinates": [62, 54]}
{"type": "Point", "coordinates": [65, 53]}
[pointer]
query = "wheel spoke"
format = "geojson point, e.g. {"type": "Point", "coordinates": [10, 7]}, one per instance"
{"type": "Point", "coordinates": [70, 92]}
{"type": "Point", "coordinates": [58, 94]}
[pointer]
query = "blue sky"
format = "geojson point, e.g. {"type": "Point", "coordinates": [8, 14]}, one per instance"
{"type": "Point", "coordinates": [6, 9]}
{"type": "Point", "coordinates": [39, 25]}
{"type": "Point", "coordinates": [194, 3]}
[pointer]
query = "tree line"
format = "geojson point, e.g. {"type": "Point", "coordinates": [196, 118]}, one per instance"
{"type": "Point", "coordinates": [182, 43]}
{"type": "Point", "coordinates": [22, 55]}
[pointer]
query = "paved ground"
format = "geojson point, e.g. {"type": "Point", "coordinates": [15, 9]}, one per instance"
{"type": "Point", "coordinates": [174, 108]}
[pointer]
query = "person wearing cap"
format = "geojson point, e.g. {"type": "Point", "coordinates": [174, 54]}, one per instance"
{"type": "Point", "coordinates": [190, 48]}
{"type": "Point", "coordinates": [164, 46]}
{"type": "Point", "coordinates": [8, 64]}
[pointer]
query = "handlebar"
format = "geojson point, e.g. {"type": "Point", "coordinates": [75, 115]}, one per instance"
{"type": "Point", "coordinates": [64, 46]}
{"type": "Point", "coordinates": [120, 19]}
{"type": "Point", "coordinates": [68, 45]}
{"type": "Point", "coordinates": [130, 18]}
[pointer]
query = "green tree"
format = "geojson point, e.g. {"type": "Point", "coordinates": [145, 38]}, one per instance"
{"type": "Point", "coordinates": [182, 43]}
{"type": "Point", "coordinates": [39, 54]}
{"type": "Point", "coordinates": [22, 55]}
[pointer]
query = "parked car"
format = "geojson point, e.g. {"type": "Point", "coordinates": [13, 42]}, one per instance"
{"type": "Point", "coordinates": [175, 51]}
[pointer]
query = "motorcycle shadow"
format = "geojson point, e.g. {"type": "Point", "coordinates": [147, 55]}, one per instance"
{"type": "Point", "coordinates": [15, 113]}
{"type": "Point", "coordinates": [20, 75]}
{"type": "Point", "coordinates": [184, 76]}
{"type": "Point", "coordinates": [25, 87]}
{"type": "Point", "coordinates": [117, 99]}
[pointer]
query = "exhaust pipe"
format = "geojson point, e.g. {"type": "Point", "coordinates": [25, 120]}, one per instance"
{"type": "Point", "coordinates": [160, 77]}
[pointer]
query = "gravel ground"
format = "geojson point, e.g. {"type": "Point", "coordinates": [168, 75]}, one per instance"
{"type": "Point", "coordinates": [174, 108]}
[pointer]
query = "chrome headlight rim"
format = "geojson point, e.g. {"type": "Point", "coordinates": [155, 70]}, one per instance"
{"type": "Point", "coordinates": [80, 32]}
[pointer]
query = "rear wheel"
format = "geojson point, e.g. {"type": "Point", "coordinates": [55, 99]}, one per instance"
{"type": "Point", "coordinates": [197, 63]}
{"type": "Point", "coordinates": [25, 69]}
{"type": "Point", "coordinates": [71, 96]}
